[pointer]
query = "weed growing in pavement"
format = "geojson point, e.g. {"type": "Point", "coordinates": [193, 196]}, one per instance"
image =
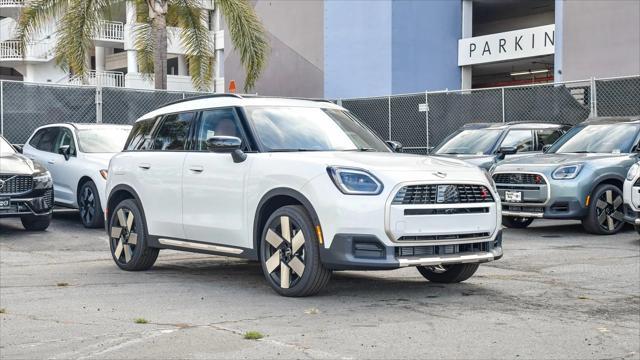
{"type": "Point", "coordinates": [253, 335]}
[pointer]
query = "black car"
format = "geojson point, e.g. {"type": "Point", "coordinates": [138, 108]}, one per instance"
{"type": "Point", "coordinates": [483, 144]}
{"type": "Point", "coordinates": [26, 189]}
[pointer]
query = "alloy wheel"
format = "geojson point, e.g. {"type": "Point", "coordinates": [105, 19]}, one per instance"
{"type": "Point", "coordinates": [284, 247]}
{"type": "Point", "coordinates": [124, 237]}
{"type": "Point", "coordinates": [87, 205]}
{"type": "Point", "coordinates": [609, 210]}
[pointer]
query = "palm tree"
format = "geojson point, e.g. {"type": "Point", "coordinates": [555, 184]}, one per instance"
{"type": "Point", "coordinates": [78, 21]}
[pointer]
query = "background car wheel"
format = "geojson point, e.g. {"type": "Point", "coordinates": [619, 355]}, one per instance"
{"type": "Point", "coordinates": [516, 222]}
{"type": "Point", "coordinates": [448, 274]}
{"type": "Point", "coordinates": [290, 254]}
{"type": "Point", "coordinates": [36, 222]}
{"type": "Point", "coordinates": [637, 228]}
{"type": "Point", "coordinates": [128, 238]}
{"type": "Point", "coordinates": [605, 214]}
{"type": "Point", "coordinates": [89, 204]}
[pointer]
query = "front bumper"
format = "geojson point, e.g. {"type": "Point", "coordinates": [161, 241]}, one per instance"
{"type": "Point", "coordinates": [38, 202]}
{"type": "Point", "coordinates": [631, 216]}
{"type": "Point", "coordinates": [367, 252]}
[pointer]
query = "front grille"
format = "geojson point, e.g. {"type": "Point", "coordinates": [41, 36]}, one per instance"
{"type": "Point", "coordinates": [518, 178]}
{"type": "Point", "coordinates": [443, 249]}
{"type": "Point", "coordinates": [444, 237]}
{"type": "Point", "coordinates": [16, 184]}
{"type": "Point", "coordinates": [442, 194]}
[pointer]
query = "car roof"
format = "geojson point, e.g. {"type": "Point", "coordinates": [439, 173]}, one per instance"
{"type": "Point", "coordinates": [85, 126]}
{"type": "Point", "coordinates": [611, 120]}
{"type": "Point", "coordinates": [225, 100]}
{"type": "Point", "coordinates": [515, 125]}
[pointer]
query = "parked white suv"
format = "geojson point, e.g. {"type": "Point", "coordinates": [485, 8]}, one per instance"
{"type": "Point", "coordinates": [631, 195]}
{"type": "Point", "coordinates": [77, 156]}
{"type": "Point", "coordinates": [302, 186]}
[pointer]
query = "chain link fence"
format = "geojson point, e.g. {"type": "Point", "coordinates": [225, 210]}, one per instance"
{"type": "Point", "coordinates": [419, 121]}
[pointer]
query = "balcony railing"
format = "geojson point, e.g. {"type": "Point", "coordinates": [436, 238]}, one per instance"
{"type": "Point", "coordinates": [102, 78]}
{"type": "Point", "coordinates": [11, 3]}
{"type": "Point", "coordinates": [109, 30]}
{"type": "Point", "coordinates": [11, 50]}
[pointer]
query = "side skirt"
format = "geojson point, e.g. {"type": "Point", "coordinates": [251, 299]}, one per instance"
{"type": "Point", "coordinates": [200, 247]}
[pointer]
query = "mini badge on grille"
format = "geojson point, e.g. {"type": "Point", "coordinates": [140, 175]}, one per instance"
{"type": "Point", "coordinates": [447, 194]}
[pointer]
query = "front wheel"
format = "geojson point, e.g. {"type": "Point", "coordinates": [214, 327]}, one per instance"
{"type": "Point", "coordinates": [448, 274]}
{"type": "Point", "coordinates": [637, 228]}
{"type": "Point", "coordinates": [605, 215]}
{"type": "Point", "coordinates": [516, 222]}
{"type": "Point", "coordinates": [36, 222]}
{"type": "Point", "coordinates": [89, 204]}
{"type": "Point", "coordinates": [128, 238]}
{"type": "Point", "coordinates": [290, 253]}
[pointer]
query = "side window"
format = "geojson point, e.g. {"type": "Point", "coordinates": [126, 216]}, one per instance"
{"type": "Point", "coordinates": [173, 132]}
{"type": "Point", "coordinates": [546, 137]}
{"type": "Point", "coordinates": [520, 139]}
{"type": "Point", "coordinates": [47, 141]}
{"type": "Point", "coordinates": [140, 136]}
{"type": "Point", "coordinates": [65, 138]}
{"type": "Point", "coordinates": [219, 122]}
{"type": "Point", "coordinates": [36, 138]}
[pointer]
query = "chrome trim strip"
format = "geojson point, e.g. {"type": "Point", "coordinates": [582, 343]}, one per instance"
{"type": "Point", "coordinates": [548, 185]}
{"type": "Point", "coordinates": [522, 214]}
{"type": "Point", "coordinates": [465, 258]}
{"type": "Point", "coordinates": [200, 246]}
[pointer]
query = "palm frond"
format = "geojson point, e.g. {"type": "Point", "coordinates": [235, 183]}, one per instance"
{"type": "Point", "coordinates": [144, 42]}
{"type": "Point", "coordinates": [36, 15]}
{"type": "Point", "coordinates": [248, 37]}
{"type": "Point", "coordinates": [196, 40]}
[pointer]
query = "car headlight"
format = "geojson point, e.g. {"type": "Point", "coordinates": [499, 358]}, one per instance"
{"type": "Point", "coordinates": [355, 181]}
{"type": "Point", "coordinates": [566, 172]}
{"type": "Point", "coordinates": [42, 180]}
{"type": "Point", "coordinates": [490, 180]}
{"type": "Point", "coordinates": [633, 171]}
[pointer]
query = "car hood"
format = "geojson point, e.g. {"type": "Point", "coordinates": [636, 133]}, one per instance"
{"type": "Point", "coordinates": [482, 160]}
{"type": "Point", "coordinates": [99, 159]}
{"type": "Point", "coordinates": [561, 159]}
{"type": "Point", "coordinates": [19, 165]}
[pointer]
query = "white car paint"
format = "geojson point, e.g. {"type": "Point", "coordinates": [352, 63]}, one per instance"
{"type": "Point", "coordinates": [206, 197]}
{"type": "Point", "coordinates": [67, 174]}
{"type": "Point", "coordinates": [632, 192]}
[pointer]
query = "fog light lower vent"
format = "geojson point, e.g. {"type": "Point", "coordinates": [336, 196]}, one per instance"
{"type": "Point", "coordinates": [368, 250]}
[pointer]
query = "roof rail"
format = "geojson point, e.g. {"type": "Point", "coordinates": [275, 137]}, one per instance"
{"type": "Point", "coordinates": [202, 97]}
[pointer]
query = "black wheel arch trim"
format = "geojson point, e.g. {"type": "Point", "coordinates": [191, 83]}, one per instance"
{"type": "Point", "coordinates": [136, 197]}
{"type": "Point", "coordinates": [603, 179]}
{"type": "Point", "coordinates": [296, 195]}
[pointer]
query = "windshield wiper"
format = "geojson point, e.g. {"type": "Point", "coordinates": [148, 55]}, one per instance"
{"type": "Point", "coordinates": [361, 149]}
{"type": "Point", "coordinates": [292, 150]}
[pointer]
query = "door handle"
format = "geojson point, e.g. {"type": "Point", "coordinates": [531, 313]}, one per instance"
{"type": "Point", "coordinates": [196, 168]}
{"type": "Point", "coordinates": [144, 166]}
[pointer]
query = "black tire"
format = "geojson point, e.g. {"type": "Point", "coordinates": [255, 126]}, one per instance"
{"type": "Point", "coordinates": [605, 215]}
{"type": "Point", "coordinates": [36, 222]}
{"type": "Point", "coordinates": [637, 228]}
{"type": "Point", "coordinates": [89, 205]}
{"type": "Point", "coordinates": [516, 222]}
{"type": "Point", "coordinates": [281, 255]}
{"type": "Point", "coordinates": [130, 252]}
{"type": "Point", "coordinates": [447, 274]}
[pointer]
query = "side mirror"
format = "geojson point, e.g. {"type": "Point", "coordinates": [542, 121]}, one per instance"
{"type": "Point", "coordinates": [18, 148]}
{"type": "Point", "coordinates": [394, 146]}
{"type": "Point", "coordinates": [227, 144]}
{"type": "Point", "coordinates": [65, 150]}
{"type": "Point", "coordinates": [506, 150]}
{"type": "Point", "coordinates": [546, 148]}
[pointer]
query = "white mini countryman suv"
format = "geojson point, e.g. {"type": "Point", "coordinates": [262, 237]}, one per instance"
{"type": "Point", "coordinates": [301, 186]}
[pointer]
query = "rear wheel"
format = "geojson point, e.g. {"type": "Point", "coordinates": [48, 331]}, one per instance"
{"type": "Point", "coordinates": [128, 238]}
{"type": "Point", "coordinates": [290, 254]}
{"type": "Point", "coordinates": [448, 274]}
{"type": "Point", "coordinates": [89, 204]}
{"type": "Point", "coordinates": [605, 215]}
{"type": "Point", "coordinates": [516, 222]}
{"type": "Point", "coordinates": [36, 222]}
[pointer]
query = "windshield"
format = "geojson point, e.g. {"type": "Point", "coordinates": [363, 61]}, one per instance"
{"type": "Point", "coordinates": [108, 140]}
{"type": "Point", "coordinates": [281, 128]}
{"type": "Point", "coordinates": [470, 142]}
{"type": "Point", "coordinates": [604, 138]}
{"type": "Point", "coordinates": [5, 147]}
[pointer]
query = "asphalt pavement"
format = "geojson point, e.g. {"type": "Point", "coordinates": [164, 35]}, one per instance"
{"type": "Point", "coordinates": [557, 293]}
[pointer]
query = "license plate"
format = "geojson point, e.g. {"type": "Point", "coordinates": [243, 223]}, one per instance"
{"type": "Point", "coordinates": [5, 203]}
{"type": "Point", "coordinates": [513, 196]}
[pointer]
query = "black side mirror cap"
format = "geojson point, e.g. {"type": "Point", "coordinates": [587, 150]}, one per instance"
{"type": "Point", "coordinates": [229, 145]}
{"type": "Point", "coordinates": [65, 150]}
{"type": "Point", "coordinates": [506, 150]}
{"type": "Point", "coordinates": [546, 148]}
{"type": "Point", "coordinates": [19, 148]}
{"type": "Point", "coordinates": [394, 146]}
